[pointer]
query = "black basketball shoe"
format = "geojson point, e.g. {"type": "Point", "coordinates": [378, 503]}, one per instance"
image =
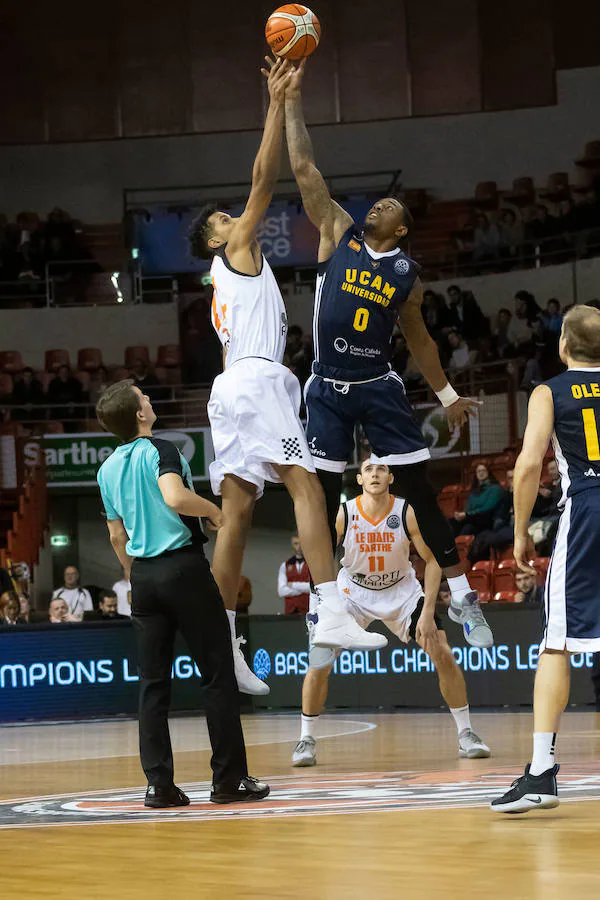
{"type": "Point", "coordinates": [165, 797]}
{"type": "Point", "coordinates": [529, 792]}
{"type": "Point", "coordinates": [248, 790]}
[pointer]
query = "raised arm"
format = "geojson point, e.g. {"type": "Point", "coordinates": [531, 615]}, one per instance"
{"type": "Point", "coordinates": [266, 165]}
{"type": "Point", "coordinates": [325, 214]}
{"type": "Point", "coordinates": [426, 355]}
{"type": "Point", "coordinates": [528, 468]}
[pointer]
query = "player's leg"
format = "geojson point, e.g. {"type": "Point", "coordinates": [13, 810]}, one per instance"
{"type": "Point", "coordinates": [335, 627]}
{"type": "Point", "coordinates": [396, 439]}
{"type": "Point", "coordinates": [314, 694]}
{"type": "Point", "coordinates": [154, 633]}
{"type": "Point", "coordinates": [453, 689]}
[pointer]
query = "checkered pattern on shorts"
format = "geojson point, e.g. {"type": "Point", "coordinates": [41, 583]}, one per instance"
{"type": "Point", "coordinates": [292, 448]}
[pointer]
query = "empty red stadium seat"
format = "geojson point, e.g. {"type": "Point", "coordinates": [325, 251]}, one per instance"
{"type": "Point", "coordinates": [484, 596]}
{"type": "Point", "coordinates": [448, 499]}
{"type": "Point", "coordinates": [486, 195]}
{"type": "Point", "coordinates": [504, 576]}
{"type": "Point", "coordinates": [84, 378]}
{"type": "Point", "coordinates": [505, 596]}
{"type": "Point", "coordinates": [540, 564]}
{"type": "Point", "coordinates": [523, 192]}
{"type": "Point", "coordinates": [56, 358]}
{"type": "Point", "coordinates": [132, 354]}
{"type": "Point", "coordinates": [500, 465]}
{"type": "Point", "coordinates": [121, 373]}
{"type": "Point", "coordinates": [479, 579]}
{"type": "Point", "coordinates": [89, 359]}
{"type": "Point", "coordinates": [463, 543]}
{"type": "Point", "coordinates": [168, 356]}
{"type": "Point", "coordinates": [10, 361]}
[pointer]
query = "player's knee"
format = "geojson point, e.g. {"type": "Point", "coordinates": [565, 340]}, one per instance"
{"type": "Point", "coordinates": [442, 657]}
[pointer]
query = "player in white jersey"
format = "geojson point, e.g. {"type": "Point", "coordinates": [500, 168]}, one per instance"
{"type": "Point", "coordinates": [375, 531]}
{"type": "Point", "coordinates": [254, 404]}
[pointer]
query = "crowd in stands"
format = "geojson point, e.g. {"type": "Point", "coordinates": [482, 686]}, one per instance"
{"type": "Point", "coordinates": [69, 398]}
{"type": "Point", "coordinates": [29, 244]}
{"type": "Point", "coordinates": [545, 229]}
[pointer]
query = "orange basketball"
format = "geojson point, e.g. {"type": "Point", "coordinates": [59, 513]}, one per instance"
{"type": "Point", "coordinates": [293, 31]}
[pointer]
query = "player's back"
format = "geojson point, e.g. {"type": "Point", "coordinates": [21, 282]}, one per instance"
{"type": "Point", "coordinates": [247, 312]}
{"type": "Point", "coordinates": [357, 300]}
{"type": "Point", "coordinates": [576, 397]}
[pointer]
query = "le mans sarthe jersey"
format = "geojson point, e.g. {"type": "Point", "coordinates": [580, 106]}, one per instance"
{"type": "Point", "coordinates": [358, 297]}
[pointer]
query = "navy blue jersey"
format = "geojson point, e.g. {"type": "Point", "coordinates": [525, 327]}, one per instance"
{"type": "Point", "coordinates": [357, 301]}
{"type": "Point", "coordinates": [576, 396]}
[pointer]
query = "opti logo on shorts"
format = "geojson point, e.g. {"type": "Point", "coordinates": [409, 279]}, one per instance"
{"type": "Point", "coordinates": [341, 345]}
{"type": "Point", "coordinates": [401, 266]}
{"type": "Point", "coordinates": [393, 522]}
{"type": "Point", "coordinates": [261, 663]}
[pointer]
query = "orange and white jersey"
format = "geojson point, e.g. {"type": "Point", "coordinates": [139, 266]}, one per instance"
{"type": "Point", "coordinates": [247, 312]}
{"type": "Point", "coordinates": [376, 554]}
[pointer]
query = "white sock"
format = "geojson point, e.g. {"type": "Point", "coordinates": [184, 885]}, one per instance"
{"type": "Point", "coordinates": [462, 717]}
{"type": "Point", "coordinates": [459, 586]}
{"type": "Point", "coordinates": [231, 617]}
{"type": "Point", "coordinates": [328, 593]}
{"type": "Point", "coordinates": [543, 752]}
{"type": "Point", "coordinates": [309, 726]}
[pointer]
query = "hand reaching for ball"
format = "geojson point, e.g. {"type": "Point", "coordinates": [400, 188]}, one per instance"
{"type": "Point", "coordinates": [278, 76]}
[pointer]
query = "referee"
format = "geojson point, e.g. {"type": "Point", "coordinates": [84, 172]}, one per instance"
{"type": "Point", "coordinates": [153, 516]}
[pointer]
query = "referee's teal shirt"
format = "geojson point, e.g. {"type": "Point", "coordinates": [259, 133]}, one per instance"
{"type": "Point", "coordinates": [128, 482]}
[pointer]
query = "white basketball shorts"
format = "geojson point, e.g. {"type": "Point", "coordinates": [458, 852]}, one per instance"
{"type": "Point", "coordinates": [254, 417]}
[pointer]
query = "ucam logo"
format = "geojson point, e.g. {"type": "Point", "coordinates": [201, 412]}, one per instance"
{"type": "Point", "coordinates": [340, 344]}
{"type": "Point", "coordinates": [262, 664]}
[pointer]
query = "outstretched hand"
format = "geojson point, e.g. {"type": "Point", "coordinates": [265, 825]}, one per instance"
{"type": "Point", "coordinates": [461, 409]}
{"type": "Point", "coordinates": [278, 75]}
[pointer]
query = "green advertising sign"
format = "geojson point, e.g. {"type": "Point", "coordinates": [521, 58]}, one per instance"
{"type": "Point", "coordinates": [72, 460]}
{"type": "Point", "coordinates": [439, 438]}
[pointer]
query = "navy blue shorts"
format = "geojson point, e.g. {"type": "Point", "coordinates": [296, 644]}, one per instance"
{"type": "Point", "coordinates": [380, 407]}
{"type": "Point", "coordinates": [572, 593]}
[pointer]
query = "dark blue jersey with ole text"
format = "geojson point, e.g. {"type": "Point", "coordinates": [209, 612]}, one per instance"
{"type": "Point", "coordinates": [357, 301]}
{"type": "Point", "coordinates": [576, 396]}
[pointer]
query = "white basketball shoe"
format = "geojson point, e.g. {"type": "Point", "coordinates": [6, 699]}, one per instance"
{"type": "Point", "coordinates": [247, 681]}
{"type": "Point", "coordinates": [305, 753]}
{"type": "Point", "coordinates": [337, 629]}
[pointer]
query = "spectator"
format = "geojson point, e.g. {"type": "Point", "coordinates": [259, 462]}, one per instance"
{"type": "Point", "coordinates": [122, 589]}
{"type": "Point", "coordinates": [146, 380]}
{"type": "Point", "coordinates": [436, 314]}
{"type": "Point", "coordinates": [501, 535]}
{"type": "Point", "coordinates": [484, 501]}
{"type": "Point", "coordinates": [244, 595]}
{"type": "Point", "coordinates": [9, 608]}
{"type": "Point", "coordinates": [546, 514]}
{"type": "Point", "coordinates": [486, 240]}
{"type": "Point", "coordinates": [303, 359]}
{"type": "Point", "coordinates": [24, 608]}
{"type": "Point", "coordinates": [293, 582]}
{"type": "Point", "coordinates": [78, 599]}
{"type": "Point", "coordinates": [27, 392]}
{"type": "Point", "coordinates": [28, 247]}
{"type": "Point", "coordinates": [293, 344]}
{"type": "Point", "coordinates": [527, 590]}
{"type": "Point", "coordinates": [552, 318]}
{"type": "Point", "coordinates": [66, 390]}
{"type": "Point", "coordinates": [6, 582]}
{"type": "Point", "coordinates": [400, 354]}
{"type": "Point", "coordinates": [108, 608]}
{"type": "Point", "coordinates": [465, 314]}
{"type": "Point", "coordinates": [532, 373]}
{"type": "Point", "coordinates": [412, 375]}
{"type": "Point", "coordinates": [58, 612]}
{"type": "Point", "coordinates": [98, 384]}
{"type": "Point", "coordinates": [504, 334]}
{"type": "Point", "coordinates": [512, 234]}
{"type": "Point", "coordinates": [526, 308]}
{"type": "Point", "coordinates": [461, 357]}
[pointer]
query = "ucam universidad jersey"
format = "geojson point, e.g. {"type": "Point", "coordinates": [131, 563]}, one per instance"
{"type": "Point", "coordinates": [357, 300]}
{"type": "Point", "coordinates": [576, 397]}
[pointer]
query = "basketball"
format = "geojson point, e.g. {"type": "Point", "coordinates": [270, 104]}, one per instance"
{"type": "Point", "coordinates": [293, 31]}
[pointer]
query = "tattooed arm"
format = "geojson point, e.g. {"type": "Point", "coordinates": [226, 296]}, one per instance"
{"type": "Point", "coordinates": [325, 214]}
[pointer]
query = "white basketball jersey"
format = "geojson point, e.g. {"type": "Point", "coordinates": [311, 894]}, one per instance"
{"type": "Point", "coordinates": [248, 312]}
{"type": "Point", "coordinates": [376, 554]}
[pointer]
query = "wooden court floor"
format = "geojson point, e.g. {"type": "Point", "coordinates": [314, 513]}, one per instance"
{"type": "Point", "coordinates": [390, 811]}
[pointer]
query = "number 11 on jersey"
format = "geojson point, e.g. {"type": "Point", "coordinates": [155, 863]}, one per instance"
{"type": "Point", "coordinates": [376, 563]}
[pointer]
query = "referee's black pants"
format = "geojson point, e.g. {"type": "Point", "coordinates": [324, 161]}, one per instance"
{"type": "Point", "coordinates": [176, 591]}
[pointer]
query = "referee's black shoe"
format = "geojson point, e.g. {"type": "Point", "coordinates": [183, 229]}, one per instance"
{"type": "Point", "coordinates": [165, 797]}
{"type": "Point", "coordinates": [248, 790]}
{"type": "Point", "coordinates": [529, 792]}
